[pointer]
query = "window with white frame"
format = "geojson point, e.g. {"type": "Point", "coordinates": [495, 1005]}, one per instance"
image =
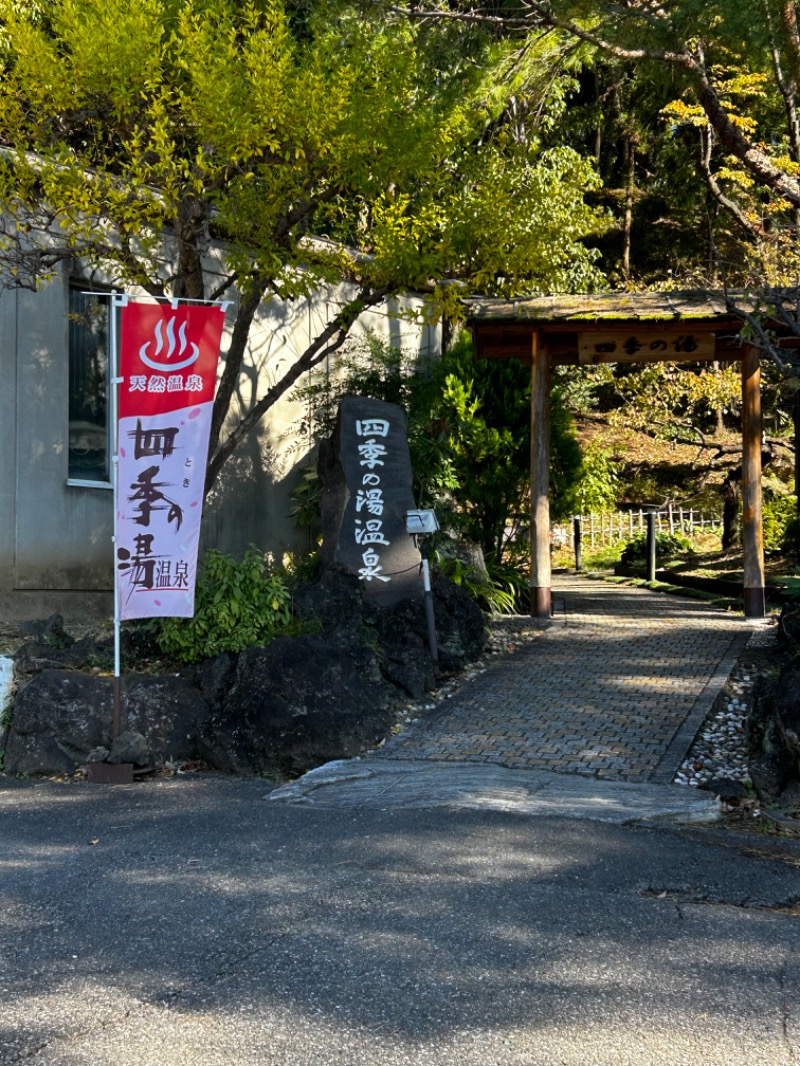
{"type": "Point", "coordinates": [89, 347]}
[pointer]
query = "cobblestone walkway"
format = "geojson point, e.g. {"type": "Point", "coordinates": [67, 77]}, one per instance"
{"type": "Point", "coordinates": [616, 689]}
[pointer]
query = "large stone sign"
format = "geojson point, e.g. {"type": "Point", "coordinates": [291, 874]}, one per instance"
{"type": "Point", "coordinates": [366, 475]}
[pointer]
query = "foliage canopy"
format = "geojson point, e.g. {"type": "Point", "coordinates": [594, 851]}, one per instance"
{"type": "Point", "coordinates": [197, 147]}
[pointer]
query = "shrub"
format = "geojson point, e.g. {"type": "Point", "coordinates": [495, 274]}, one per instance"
{"type": "Point", "coordinates": [596, 489]}
{"type": "Point", "coordinates": [779, 515]}
{"type": "Point", "coordinates": [237, 605]}
{"type": "Point", "coordinates": [668, 545]}
{"type": "Point", "coordinates": [500, 590]}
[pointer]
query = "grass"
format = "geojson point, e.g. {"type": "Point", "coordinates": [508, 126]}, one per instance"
{"type": "Point", "coordinates": [705, 559]}
{"type": "Point", "coordinates": [726, 603]}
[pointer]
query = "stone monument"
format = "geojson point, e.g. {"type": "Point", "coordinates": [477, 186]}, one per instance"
{"type": "Point", "coordinates": [365, 468]}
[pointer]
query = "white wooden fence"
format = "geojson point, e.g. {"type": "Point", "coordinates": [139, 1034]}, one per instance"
{"type": "Point", "coordinates": [599, 530]}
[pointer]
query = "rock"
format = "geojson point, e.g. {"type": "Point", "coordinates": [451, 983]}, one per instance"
{"type": "Point", "coordinates": [336, 602]}
{"type": "Point", "coordinates": [298, 703]}
{"type": "Point", "coordinates": [59, 717]}
{"type": "Point", "coordinates": [214, 677]}
{"type": "Point", "coordinates": [130, 747]}
{"type": "Point", "coordinates": [50, 631]}
{"type": "Point", "coordinates": [366, 475]}
{"type": "Point", "coordinates": [167, 711]}
{"type": "Point", "coordinates": [727, 788]}
{"type": "Point", "coordinates": [461, 632]}
{"type": "Point", "coordinates": [39, 655]}
{"type": "Point", "coordinates": [773, 734]}
{"type": "Point", "coordinates": [789, 624]}
{"type": "Point", "coordinates": [411, 668]}
{"type": "Point", "coordinates": [62, 716]}
{"type": "Point", "coordinates": [288, 707]}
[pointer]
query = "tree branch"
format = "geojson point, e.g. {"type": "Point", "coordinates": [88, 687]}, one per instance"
{"type": "Point", "coordinates": [234, 359]}
{"type": "Point", "coordinates": [752, 230]}
{"type": "Point", "coordinates": [327, 342]}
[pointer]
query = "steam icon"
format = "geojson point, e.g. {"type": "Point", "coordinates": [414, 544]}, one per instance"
{"type": "Point", "coordinates": [172, 345]}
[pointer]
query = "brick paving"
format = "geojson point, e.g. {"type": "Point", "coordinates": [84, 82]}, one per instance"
{"type": "Point", "coordinates": [615, 689]}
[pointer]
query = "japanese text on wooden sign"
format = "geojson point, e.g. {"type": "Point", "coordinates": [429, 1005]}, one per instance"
{"type": "Point", "coordinates": [644, 346]}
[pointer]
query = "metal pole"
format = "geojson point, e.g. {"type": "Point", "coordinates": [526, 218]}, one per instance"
{"type": "Point", "coordinates": [576, 536]}
{"type": "Point", "coordinates": [651, 546]}
{"type": "Point", "coordinates": [117, 302]}
{"type": "Point", "coordinates": [426, 584]}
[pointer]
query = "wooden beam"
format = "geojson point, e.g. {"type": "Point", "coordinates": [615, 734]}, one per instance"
{"type": "Point", "coordinates": [645, 343]}
{"type": "Point", "coordinates": [752, 530]}
{"type": "Point", "coordinates": [541, 579]}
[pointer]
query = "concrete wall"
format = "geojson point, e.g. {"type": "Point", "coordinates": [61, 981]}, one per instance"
{"type": "Point", "coordinates": [8, 437]}
{"type": "Point", "coordinates": [61, 534]}
{"type": "Point", "coordinates": [55, 536]}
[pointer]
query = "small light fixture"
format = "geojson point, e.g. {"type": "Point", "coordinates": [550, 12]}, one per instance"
{"type": "Point", "coordinates": [420, 522]}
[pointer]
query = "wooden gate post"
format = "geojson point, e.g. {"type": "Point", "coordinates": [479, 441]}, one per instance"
{"type": "Point", "coordinates": [752, 530]}
{"type": "Point", "coordinates": [541, 596]}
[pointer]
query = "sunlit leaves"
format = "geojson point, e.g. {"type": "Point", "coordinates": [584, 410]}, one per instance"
{"type": "Point", "coordinates": [180, 118]}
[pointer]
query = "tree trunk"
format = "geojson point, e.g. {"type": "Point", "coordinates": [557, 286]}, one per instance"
{"type": "Point", "coordinates": [731, 511]}
{"type": "Point", "coordinates": [627, 223]}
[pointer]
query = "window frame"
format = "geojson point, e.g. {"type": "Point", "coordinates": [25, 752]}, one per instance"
{"type": "Point", "coordinates": [74, 480]}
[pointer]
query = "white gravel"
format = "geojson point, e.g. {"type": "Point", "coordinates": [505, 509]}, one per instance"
{"type": "Point", "coordinates": [720, 749]}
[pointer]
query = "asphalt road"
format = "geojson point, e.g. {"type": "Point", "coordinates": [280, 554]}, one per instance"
{"type": "Point", "coordinates": [191, 921]}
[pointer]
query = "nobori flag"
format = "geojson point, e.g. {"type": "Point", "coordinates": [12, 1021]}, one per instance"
{"type": "Point", "coordinates": [168, 372]}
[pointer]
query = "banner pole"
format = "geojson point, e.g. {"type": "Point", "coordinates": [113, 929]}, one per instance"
{"type": "Point", "coordinates": [118, 301]}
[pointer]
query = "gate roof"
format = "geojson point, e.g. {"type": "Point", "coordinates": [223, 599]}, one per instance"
{"type": "Point", "coordinates": [609, 327]}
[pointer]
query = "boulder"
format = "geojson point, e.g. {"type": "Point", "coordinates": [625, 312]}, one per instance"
{"type": "Point", "coordinates": [336, 602]}
{"type": "Point", "coordinates": [295, 704]}
{"type": "Point", "coordinates": [168, 711]}
{"type": "Point", "coordinates": [367, 490]}
{"type": "Point", "coordinates": [789, 624]}
{"type": "Point", "coordinates": [773, 736]}
{"type": "Point", "coordinates": [347, 617]}
{"type": "Point", "coordinates": [61, 716]}
{"type": "Point", "coordinates": [461, 632]}
{"type": "Point", "coordinates": [129, 747]}
{"type": "Point", "coordinates": [38, 655]}
{"type": "Point", "coordinates": [214, 677]}
{"type": "Point", "coordinates": [48, 631]}
{"type": "Point", "coordinates": [288, 707]}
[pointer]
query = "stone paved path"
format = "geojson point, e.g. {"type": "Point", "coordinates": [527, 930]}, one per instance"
{"type": "Point", "coordinates": [615, 689]}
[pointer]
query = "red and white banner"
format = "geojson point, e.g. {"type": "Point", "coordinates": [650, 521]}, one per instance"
{"type": "Point", "coordinates": [168, 371]}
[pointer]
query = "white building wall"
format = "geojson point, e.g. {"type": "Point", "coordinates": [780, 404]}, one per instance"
{"type": "Point", "coordinates": [55, 536]}
{"type": "Point", "coordinates": [8, 437]}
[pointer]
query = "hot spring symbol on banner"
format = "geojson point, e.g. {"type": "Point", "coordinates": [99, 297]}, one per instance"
{"type": "Point", "coordinates": [167, 378]}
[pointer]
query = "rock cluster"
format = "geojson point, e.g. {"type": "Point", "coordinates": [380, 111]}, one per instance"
{"type": "Point", "coordinates": [283, 708]}
{"type": "Point", "coordinates": [719, 752]}
{"type": "Point", "coordinates": [751, 739]}
{"type": "Point", "coordinates": [773, 736]}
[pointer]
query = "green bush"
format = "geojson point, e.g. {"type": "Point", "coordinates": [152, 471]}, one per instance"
{"type": "Point", "coordinates": [468, 435]}
{"type": "Point", "coordinates": [668, 545]}
{"type": "Point", "coordinates": [597, 486]}
{"type": "Point", "coordinates": [237, 605]}
{"type": "Point", "coordinates": [779, 515]}
{"type": "Point", "coordinates": [790, 542]}
{"type": "Point", "coordinates": [488, 595]}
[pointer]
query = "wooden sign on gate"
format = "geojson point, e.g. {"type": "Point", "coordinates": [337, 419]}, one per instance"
{"type": "Point", "coordinates": [646, 346]}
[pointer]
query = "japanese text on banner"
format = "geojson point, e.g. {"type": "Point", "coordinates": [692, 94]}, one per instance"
{"type": "Point", "coordinates": [168, 371]}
